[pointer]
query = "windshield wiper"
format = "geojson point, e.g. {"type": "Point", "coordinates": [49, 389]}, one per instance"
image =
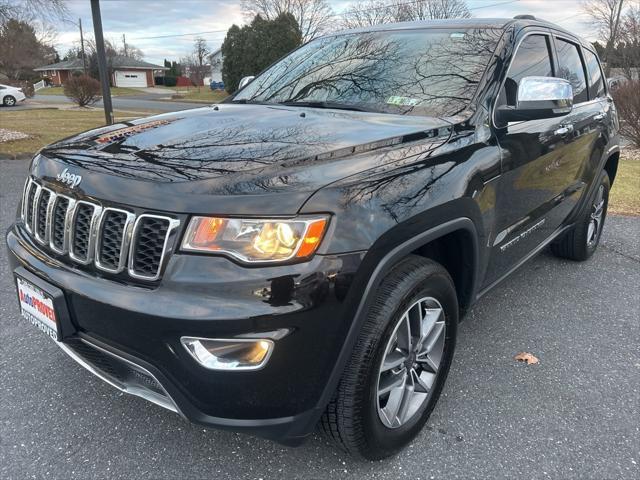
{"type": "Point", "coordinates": [332, 105]}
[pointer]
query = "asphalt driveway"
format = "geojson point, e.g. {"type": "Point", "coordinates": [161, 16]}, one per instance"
{"type": "Point", "coordinates": [126, 102]}
{"type": "Point", "coordinates": [575, 415]}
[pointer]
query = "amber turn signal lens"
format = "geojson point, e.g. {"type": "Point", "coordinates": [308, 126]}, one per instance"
{"type": "Point", "coordinates": [206, 231]}
{"type": "Point", "coordinates": [312, 238]}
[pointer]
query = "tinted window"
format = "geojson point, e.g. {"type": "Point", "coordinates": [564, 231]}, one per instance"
{"type": "Point", "coordinates": [531, 60]}
{"type": "Point", "coordinates": [415, 72]}
{"type": "Point", "coordinates": [596, 85]}
{"type": "Point", "coordinates": [570, 68]}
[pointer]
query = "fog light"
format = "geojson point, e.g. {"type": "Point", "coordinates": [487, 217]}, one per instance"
{"type": "Point", "coordinates": [229, 354]}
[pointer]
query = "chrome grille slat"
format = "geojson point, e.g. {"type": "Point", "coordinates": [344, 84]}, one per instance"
{"type": "Point", "coordinates": [31, 200]}
{"type": "Point", "coordinates": [148, 252]}
{"type": "Point", "coordinates": [43, 215]}
{"type": "Point", "coordinates": [111, 239]}
{"type": "Point", "coordinates": [114, 234]}
{"type": "Point", "coordinates": [59, 227]}
{"type": "Point", "coordinates": [83, 232]}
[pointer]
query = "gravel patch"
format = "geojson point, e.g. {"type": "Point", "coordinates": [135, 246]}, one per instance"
{"type": "Point", "coordinates": [631, 153]}
{"type": "Point", "coordinates": [9, 135]}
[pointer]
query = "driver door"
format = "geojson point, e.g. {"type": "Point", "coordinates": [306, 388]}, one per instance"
{"type": "Point", "coordinates": [539, 160]}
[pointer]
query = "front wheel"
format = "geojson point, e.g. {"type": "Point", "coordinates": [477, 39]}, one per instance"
{"type": "Point", "coordinates": [581, 241]}
{"type": "Point", "coordinates": [9, 101]}
{"type": "Point", "coordinates": [399, 363]}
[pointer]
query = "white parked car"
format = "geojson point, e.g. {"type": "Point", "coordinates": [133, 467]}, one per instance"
{"type": "Point", "coordinates": [9, 95]}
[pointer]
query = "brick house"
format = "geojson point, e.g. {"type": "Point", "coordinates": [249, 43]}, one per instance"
{"type": "Point", "coordinates": [126, 72]}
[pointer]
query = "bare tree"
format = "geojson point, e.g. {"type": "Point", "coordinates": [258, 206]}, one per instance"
{"type": "Point", "coordinates": [629, 47]}
{"type": "Point", "coordinates": [45, 10]}
{"type": "Point", "coordinates": [314, 17]}
{"type": "Point", "coordinates": [374, 12]}
{"type": "Point", "coordinates": [430, 10]}
{"type": "Point", "coordinates": [82, 90]}
{"type": "Point", "coordinates": [196, 63]}
{"type": "Point", "coordinates": [366, 13]}
{"type": "Point", "coordinates": [605, 16]}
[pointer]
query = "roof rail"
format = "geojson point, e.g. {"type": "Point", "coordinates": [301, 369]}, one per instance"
{"type": "Point", "coordinates": [525, 17]}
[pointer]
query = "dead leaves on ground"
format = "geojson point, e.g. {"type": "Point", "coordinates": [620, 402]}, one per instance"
{"type": "Point", "coordinates": [526, 357]}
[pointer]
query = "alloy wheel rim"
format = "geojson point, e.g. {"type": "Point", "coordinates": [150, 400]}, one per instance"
{"type": "Point", "coordinates": [10, 101]}
{"type": "Point", "coordinates": [595, 218]}
{"type": "Point", "coordinates": [410, 363]}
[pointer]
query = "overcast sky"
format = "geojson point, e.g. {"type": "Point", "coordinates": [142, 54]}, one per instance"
{"type": "Point", "coordinates": [140, 19]}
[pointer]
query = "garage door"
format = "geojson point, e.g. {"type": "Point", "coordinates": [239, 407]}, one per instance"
{"type": "Point", "coordinates": [131, 78]}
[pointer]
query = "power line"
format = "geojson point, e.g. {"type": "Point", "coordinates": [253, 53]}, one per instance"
{"type": "Point", "coordinates": [180, 35]}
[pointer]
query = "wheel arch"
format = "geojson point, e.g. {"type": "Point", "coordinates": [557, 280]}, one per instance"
{"type": "Point", "coordinates": [611, 165]}
{"type": "Point", "coordinates": [457, 252]}
{"type": "Point", "coordinates": [462, 227]}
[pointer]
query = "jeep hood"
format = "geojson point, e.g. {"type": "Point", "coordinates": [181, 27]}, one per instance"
{"type": "Point", "coordinates": [261, 151]}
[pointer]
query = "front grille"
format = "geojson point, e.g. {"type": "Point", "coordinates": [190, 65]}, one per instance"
{"type": "Point", "coordinates": [89, 233]}
{"type": "Point", "coordinates": [112, 239]}
{"type": "Point", "coordinates": [43, 205]}
{"type": "Point", "coordinates": [82, 229]}
{"type": "Point", "coordinates": [148, 244]}
{"type": "Point", "coordinates": [60, 207]}
{"type": "Point", "coordinates": [31, 194]}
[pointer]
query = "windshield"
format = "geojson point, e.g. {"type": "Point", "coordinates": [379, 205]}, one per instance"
{"type": "Point", "coordinates": [420, 72]}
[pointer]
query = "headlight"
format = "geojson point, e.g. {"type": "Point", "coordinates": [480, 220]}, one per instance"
{"type": "Point", "coordinates": [256, 240]}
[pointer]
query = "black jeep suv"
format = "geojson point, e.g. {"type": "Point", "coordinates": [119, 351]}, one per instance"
{"type": "Point", "coordinates": [301, 253]}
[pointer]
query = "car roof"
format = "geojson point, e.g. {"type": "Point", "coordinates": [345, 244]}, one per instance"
{"type": "Point", "coordinates": [499, 23]}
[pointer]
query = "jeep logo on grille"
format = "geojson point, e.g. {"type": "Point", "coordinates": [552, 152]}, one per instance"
{"type": "Point", "coordinates": [71, 179]}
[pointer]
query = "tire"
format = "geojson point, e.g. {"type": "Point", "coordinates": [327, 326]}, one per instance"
{"type": "Point", "coordinates": [582, 240]}
{"type": "Point", "coordinates": [9, 101]}
{"type": "Point", "coordinates": [357, 419]}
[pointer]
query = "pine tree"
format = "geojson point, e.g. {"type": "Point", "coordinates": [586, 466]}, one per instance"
{"type": "Point", "coordinates": [250, 49]}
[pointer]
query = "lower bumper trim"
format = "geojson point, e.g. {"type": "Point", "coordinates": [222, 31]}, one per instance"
{"type": "Point", "coordinates": [119, 372]}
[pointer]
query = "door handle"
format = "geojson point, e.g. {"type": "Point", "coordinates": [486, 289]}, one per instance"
{"type": "Point", "coordinates": [564, 130]}
{"type": "Point", "coordinates": [600, 116]}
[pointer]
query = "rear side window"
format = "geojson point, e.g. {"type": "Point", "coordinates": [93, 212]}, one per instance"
{"type": "Point", "coordinates": [596, 85]}
{"type": "Point", "coordinates": [571, 68]}
{"type": "Point", "coordinates": [532, 59]}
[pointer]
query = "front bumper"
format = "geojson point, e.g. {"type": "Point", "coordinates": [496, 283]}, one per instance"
{"type": "Point", "coordinates": [129, 335]}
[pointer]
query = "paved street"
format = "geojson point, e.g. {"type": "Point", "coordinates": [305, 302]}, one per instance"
{"type": "Point", "coordinates": [575, 415]}
{"type": "Point", "coordinates": [125, 102]}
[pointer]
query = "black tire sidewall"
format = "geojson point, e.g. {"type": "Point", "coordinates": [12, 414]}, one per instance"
{"type": "Point", "coordinates": [380, 438]}
{"type": "Point", "coordinates": [603, 179]}
{"type": "Point", "coordinates": [6, 102]}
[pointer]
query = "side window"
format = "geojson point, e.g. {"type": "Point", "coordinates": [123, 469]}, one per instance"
{"type": "Point", "coordinates": [596, 85]}
{"type": "Point", "coordinates": [571, 68]}
{"type": "Point", "coordinates": [532, 59]}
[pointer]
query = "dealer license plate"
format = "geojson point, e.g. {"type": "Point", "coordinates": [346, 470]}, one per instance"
{"type": "Point", "coordinates": [37, 307]}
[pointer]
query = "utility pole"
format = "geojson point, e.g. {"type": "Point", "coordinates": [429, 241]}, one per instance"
{"type": "Point", "coordinates": [612, 40]}
{"type": "Point", "coordinates": [84, 57]}
{"type": "Point", "coordinates": [102, 61]}
{"type": "Point", "coordinates": [124, 44]}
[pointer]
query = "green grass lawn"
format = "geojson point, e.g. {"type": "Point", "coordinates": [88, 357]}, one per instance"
{"type": "Point", "coordinates": [115, 91]}
{"type": "Point", "coordinates": [624, 198]}
{"type": "Point", "coordinates": [48, 125]}
{"type": "Point", "coordinates": [205, 95]}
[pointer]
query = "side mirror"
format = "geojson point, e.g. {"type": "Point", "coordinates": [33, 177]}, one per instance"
{"type": "Point", "coordinates": [245, 81]}
{"type": "Point", "coordinates": [537, 98]}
